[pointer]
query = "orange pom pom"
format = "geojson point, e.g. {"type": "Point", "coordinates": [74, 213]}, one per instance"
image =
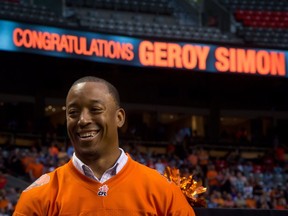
{"type": "Point", "coordinates": [191, 189]}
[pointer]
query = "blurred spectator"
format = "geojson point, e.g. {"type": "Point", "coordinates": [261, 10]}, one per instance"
{"type": "Point", "coordinates": [251, 202]}
{"type": "Point", "coordinates": [280, 204]}
{"type": "Point", "coordinates": [53, 149]}
{"type": "Point", "coordinates": [217, 200]}
{"type": "Point", "coordinates": [35, 169]}
{"type": "Point", "coordinates": [150, 163]}
{"type": "Point", "coordinates": [248, 189]}
{"type": "Point", "coordinates": [203, 159]}
{"type": "Point", "coordinates": [12, 194]}
{"type": "Point", "coordinates": [263, 202]}
{"type": "Point", "coordinates": [224, 180]}
{"type": "Point", "coordinates": [258, 189]}
{"type": "Point", "coordinates": [5, 205]}
{"type": "Point", "coordinates": [240, 201]}
{"type": "Point", "coordinates": [3, 180]}
{"type": "Point", "coordinates": [228, 201]}
{"type": "Point", "coordinates": [220, 163]}
{"type": "Point", "coordinates": [62, 154]}
{"type": "Point", "coordinates": [70, 150]}
{"type": "Point", "coordinates": [192, 158]}
{"type": "Point", "coordinates": [15, 162]}
{"type": "Point", "coordinates": [160, 166]}
{"type": "Point", "coordinates": [279, 154]}
{"type": "Point", "coordinates": [240, 182]}
{"type": "Point", "coordinates": [212, 178]}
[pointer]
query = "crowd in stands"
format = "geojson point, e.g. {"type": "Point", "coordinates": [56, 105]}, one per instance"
{"type": "Point", "coordinates": [231, 181]}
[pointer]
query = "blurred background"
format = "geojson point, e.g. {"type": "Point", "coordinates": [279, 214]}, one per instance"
{"type": "Point", "coordinates": [229, 130]}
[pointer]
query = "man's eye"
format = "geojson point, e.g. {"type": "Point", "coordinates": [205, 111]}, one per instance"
{"type": "Point", "coordinates": [72, 112]}
{"type": "Point", "coordinates": [96, 109]}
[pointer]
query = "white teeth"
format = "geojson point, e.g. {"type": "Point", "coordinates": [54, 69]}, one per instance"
{"type": "Point", "coordinates": [90, 134]}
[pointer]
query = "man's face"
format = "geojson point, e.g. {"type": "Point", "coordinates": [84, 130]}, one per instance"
{"type": "Point", "coordinates": [93, 119]}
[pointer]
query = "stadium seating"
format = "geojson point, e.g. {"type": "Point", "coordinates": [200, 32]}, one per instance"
{"type": "Point", "coordinates": [261, 23]}
{"type": "Point", "coordinates": [31, 13]}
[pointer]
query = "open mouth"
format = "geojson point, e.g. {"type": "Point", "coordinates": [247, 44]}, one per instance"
{"type": "Point", "coordinates": [88, 135]}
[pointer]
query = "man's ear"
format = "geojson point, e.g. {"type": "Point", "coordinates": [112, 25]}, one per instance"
{"type": "Point", "coordinates": [120, 117]}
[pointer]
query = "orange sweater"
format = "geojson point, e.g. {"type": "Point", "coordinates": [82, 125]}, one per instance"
{"type": "Point", "coordinates": [135, 190]}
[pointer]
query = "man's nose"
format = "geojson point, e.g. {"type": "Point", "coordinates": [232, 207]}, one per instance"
{"type": "Point", "coordinates": [85, 117]}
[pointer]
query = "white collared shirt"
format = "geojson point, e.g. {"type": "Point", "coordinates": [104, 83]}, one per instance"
{"type": "Point", "coordinates": [85, 170]}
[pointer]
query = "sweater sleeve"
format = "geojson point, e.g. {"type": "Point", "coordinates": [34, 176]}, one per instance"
{"type": "Point", "coordinates": [179, 204]}
{"type": "Point", "coordinates": [167, 198]}
{"type": "Point", "coordinates": [34, 199]}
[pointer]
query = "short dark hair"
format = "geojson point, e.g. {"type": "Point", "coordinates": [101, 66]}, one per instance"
{"type": "Point", "coordinates": [111, 88]}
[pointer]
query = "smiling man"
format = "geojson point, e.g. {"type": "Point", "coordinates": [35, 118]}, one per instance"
{"type": "Point", "coordinates": [100, 178]}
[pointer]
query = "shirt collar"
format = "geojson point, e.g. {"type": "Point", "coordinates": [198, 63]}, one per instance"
{"type": "Point", "coordinates": [86, 170]}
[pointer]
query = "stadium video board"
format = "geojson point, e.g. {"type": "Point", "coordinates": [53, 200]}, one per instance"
{"type": "Point", "coordinates": [115, 49]}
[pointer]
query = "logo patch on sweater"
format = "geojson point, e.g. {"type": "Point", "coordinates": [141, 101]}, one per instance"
{"type": "Point", "coordinates": [44, 179]}
{"type": "Point", "coordinates": [102, 191]}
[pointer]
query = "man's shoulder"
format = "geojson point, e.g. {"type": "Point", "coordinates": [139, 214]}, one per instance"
{"type": "Point", "coordinates": [150, 173]}
{"type": "Point", "coordinates": [45, 180]}
{"type": "Point", "coordinates": [41, 181]}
